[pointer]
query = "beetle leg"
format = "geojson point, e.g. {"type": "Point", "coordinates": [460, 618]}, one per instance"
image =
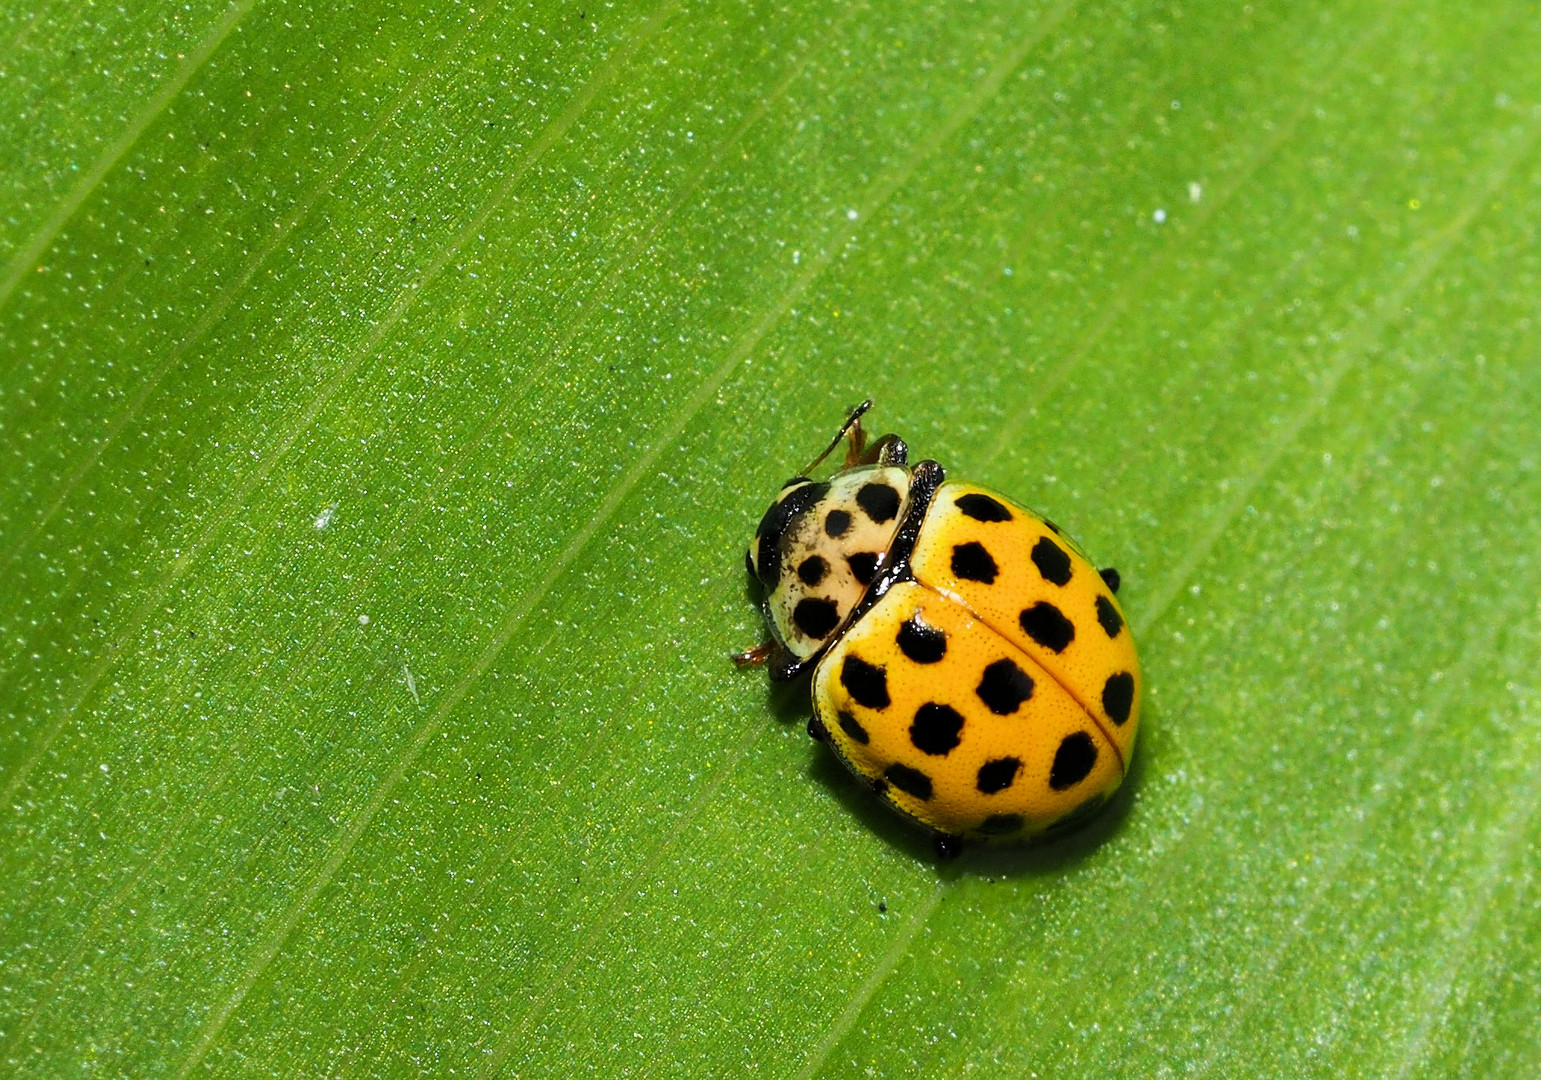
{"type": "Point", "coordinates": [754, 657]}
{"type": "Point", "coordinates": [889, 450]}
{"type": "Point", "coordinates": [856, 436]}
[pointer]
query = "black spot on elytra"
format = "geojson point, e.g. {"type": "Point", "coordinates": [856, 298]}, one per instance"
{"type": "Point", "coordinates": [982, 508]}
{"type": "Point", "coordinates": [921, 643]}
{"type": "Point", "coordinates": [816, 617]}
{"type": "Point", "coordinates": [880, 787]}
{"type": "Point", "coordinates": [972, 562]}
{"type": "Point", "coordinates": [864, 566]}
{"type": "Point", "coordinates": [775, 524]}
{"type": "Point", "coordinates": [1110, 575]}
{"type": "Point", "coordinates": [1118, 697]}
{"type": "Point", "coordinates": [908, 780]}
{"type": "Point", "coordinates": [880, 502]}
{"type": "Point", "coordinates": [836, 522]}
{"type": "Point", "coordinates": [816, 729]}
{"type": "Point", "coordinates": [936, 728]}
{"type": "Point", "coordinates": [1109, 617]}
{"type": "Point", "coordinates": [1073, 761]}
{"type": "Point", "coordinates": [1052, 561]}
{"type": "Point", "coordinates": [998, 775]}
{"type": "Point", "coordinates": [1000, 824]}
{"type": "Point", "coordinates": [866, 683]}
{"type": "Point", "coordinates": [1047, 625]}
{"type": "Point", "coordinates": [849, 725]}
{"type": "Point", "coordinates": [1053, 528]}
{"type": "Point", "coordinates": [1004, 687]}
{"type": "Point", "coordinates": [812, 570]}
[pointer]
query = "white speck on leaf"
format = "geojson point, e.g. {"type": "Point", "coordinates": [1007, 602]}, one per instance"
{"type": "Point", "coordinates": [1159, 216]}
{"type": "Point", "coordinates": [851, 215]}
{"type": "Point", "coordinates": [1195, 192]}
{"type": "Point", "coordinates": [324, 518]}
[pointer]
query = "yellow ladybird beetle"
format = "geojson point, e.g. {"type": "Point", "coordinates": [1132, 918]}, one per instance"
{"type": "Point", "coordinates": [969, 662]}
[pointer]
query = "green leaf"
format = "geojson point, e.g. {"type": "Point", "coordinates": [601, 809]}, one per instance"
{"type": "Point", "coordinates": [387, 394]}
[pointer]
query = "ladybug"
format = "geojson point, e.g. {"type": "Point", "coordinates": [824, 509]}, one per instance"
{"type": "Point", "coordinates": [970, 664]}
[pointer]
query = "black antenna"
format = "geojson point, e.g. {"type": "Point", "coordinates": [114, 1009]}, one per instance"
{"type": "Point", "coordinates": [850, 422]}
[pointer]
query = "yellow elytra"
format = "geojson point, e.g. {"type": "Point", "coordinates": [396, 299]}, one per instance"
{"type": "Point", "coordinates": [969, 661]}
